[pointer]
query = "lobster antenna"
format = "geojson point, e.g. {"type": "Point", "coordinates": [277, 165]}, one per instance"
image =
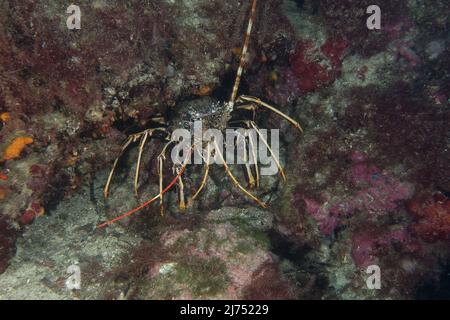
{"type": "Point", "coordinates": [243, 53]}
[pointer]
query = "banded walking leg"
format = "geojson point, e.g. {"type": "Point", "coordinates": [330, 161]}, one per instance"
{"type": "Point", "coordinates": [161, 159]}
{"type": "Point", "coordinates": [205, 175]}
{"type": "Point", "coordinates": [261, 103]}
{"type": "Point", "coordinates": [235, 181]}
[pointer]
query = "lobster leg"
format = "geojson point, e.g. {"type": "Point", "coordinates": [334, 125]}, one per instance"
{"type": "Point", "coordinates": [251, 179]}
{"type": "Point", "coordinates": [138, 165]}
{"type": "Point", "coordinates": [144, 135]}
{"type": "Point", "coordinates": [255, 159]}
{"type": "Point", "coordinates": [111, 173]}
{"type": "Point", "coordinates": [161, 158]}
{"type": "Point", "coordinates": [261, 103]}
{"type": "Point", "coordinates": [205, 175]}
{"type": "Point", "coordinates": [243, 54]}
{"type": "Point", "coordinates": [277, 161]}
{"type": "Point", "coordinates": [181, 190]}
{"type": "Point", "coordinates": [161, 179]}
{"type": "Point", "coordinates": [150, 201]}
{"type": "Point", "coordinates": [235, 181]}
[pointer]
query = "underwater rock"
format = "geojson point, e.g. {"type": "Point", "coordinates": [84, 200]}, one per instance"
{"type": "Point", "coordinates": [7, 242]}
{"type": "Point", "coordinates": [227, 257]}
{"type": "Point", "coordinates": [128, 63]}
{"type": "Point", "coordinates": [367, 181]}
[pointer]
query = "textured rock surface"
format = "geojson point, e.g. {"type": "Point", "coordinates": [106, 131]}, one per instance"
{"type": "Point", "coordinates": [225, 256]}
{"type": "Point", "coordinates": [368, 181]}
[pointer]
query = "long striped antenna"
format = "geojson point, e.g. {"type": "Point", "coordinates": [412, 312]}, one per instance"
{"type": "Point", "coordinates": [243, 53]}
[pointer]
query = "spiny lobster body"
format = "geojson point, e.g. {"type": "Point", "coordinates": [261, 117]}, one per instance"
{"type": "Point", "coordinates": [214, 115]}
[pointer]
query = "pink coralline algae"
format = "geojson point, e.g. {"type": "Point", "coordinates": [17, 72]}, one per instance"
{"type": "Point", "coordinates": [316, 67]}
{"type": "Point", "coordinates": [380, 191]}
{"type": "Point", "coordinates": [399, 28]}
{"type": "Point", "coordinates": [398, 35]}
{"type": "Point", "coordinates": [404, 50]}
{"type": "Point", "coordinates": [377, 193]}
{"type": "Point", "coordinates": [367, 246]}
{"type": "Point", "coordinates": [39, 179]}
{"type": "Point", "coordinates": [310, 68]}
{"type": "Point", "coordinates": [326, 220]}
{"type": "Point", "coordinates": [432, 217]}
{"type": "Point", "coordinates": [285, 90]}
{"type": "Point", "coordinates": [34, 210]}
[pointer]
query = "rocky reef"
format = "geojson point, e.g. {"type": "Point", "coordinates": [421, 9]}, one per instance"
{"type": "Point", "coordinates": [368, 182]}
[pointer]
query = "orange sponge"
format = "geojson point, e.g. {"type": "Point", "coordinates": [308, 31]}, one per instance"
{"type": "Point", "coordinates": [5, 116]}
{"type": "Point", "coordinates": [3, 193]}
{"type": "Point", "coordinates": [15, 148]}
